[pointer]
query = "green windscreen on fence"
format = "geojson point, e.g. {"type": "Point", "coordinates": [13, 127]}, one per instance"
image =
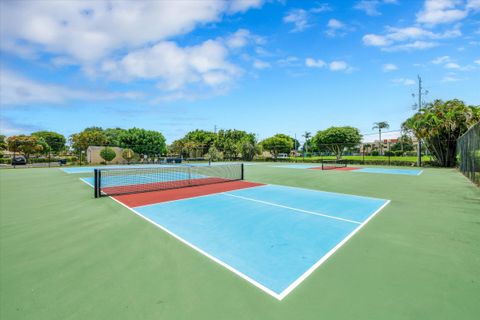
{"type": "Point", "coordinates": [468, 153]}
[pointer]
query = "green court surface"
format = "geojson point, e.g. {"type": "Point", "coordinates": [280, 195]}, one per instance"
{"type": "Point", "coordinates": [65, 255]}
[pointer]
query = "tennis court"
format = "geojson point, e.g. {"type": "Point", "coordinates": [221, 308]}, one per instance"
{"type": "Point", "coordinates": [344, 167]}
{"type": "Point", "coordinates": [203, 252]}
{"type": "Point", "coordinates": [272, 236]}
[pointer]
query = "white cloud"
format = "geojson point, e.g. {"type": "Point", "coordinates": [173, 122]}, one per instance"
{"type": "Point", "coordinates": [10, 127]}
{"type": "Point", "coordinates": [175, 67]}
{"type": "Point", "coordinates": [289, 62]}
{"type": "Point", "coordinates": [452, 65]}
{"type": "Point", "coordinates": [244, 5]}
{"type": "Point", "coordinates": [449, 63]}
{"type": "Point", "coordinates": [335, 24]}
{"type": "Point", "coordinates": [259, 64]}
{"type": "Point", "coordinates": [441, 11]}
{"type": "Point", "coordinates": [336, 28]}
{"type": "Point", "coordinates": [416, 45]}
{"type": "Point", "coordinates": [338, 65]}
{"type": "Point", "coordinates": [408, 38]}
{"type": "Point", "coordinates": [403, 81]}
{"type": "Point", "coordinates": [312, 63]}
{"type": "Point", "coordinates": [19, 90]}
{"type": "Point", "coordinates": [441, 60]}
{"type": "Point", "coordinates": [450, 78]}
{"type": "Point", "coordinates": [89, 31]}
{"type": "Point", "coordinates": [299, 18]}
{"type": "Point", "coordinates": [477, 61]}
{"type": "Point", "coordinates": [473, 4]}
{"type": "Point", "coordinates": [323, 7]}
{"type": "Point", "coordinates": [239, 39]}
{"type": "Point", "coordinates": [117, 38]}
{"type": "Point", "coordinates": [370, 7]}
{"type": "Point", "coordinates": [389, 67]}
{"type": "Point", "coordinates": [375, 40]}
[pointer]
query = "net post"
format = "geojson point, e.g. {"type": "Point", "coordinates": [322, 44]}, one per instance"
{"type": "Point", "coordinates": [242, 171]}
{"type": "Point", "coordinates": [96, 183]}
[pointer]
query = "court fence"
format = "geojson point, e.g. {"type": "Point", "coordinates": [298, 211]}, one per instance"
{"type": "Point", "coordinates": [468, 154]}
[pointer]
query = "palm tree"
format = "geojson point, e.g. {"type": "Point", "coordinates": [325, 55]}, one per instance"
{"type": "Point", "coordinates": [380, 125]}
{"type": "Point", "coordinates": [307, 135]}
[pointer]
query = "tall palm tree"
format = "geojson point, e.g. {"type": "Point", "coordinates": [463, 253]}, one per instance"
{"type": "Point", "coordinates": [380, 125]}
{"type": "Point", "coordinates": [307, 135]}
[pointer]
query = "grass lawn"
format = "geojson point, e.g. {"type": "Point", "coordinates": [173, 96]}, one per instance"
{"type": "Point", "coordinates": [65, 255]}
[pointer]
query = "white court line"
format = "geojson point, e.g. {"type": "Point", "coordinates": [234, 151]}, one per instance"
{"type": "Point", "coordinates": [220, 262]}
{"type": "Point", "coordinates": [277, 296]}
{"type": "Point", "coordinates": [291, 208]}
{"type": "Point", "coordinates": [85, 181]}
{"type": "Point", "coordinates": [326, 256]}
{"type": "Point", "coordinates": [319, 191]}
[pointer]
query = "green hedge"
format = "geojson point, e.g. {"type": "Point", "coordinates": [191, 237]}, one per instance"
{"type": "Point", "coordinates": [70, 159]}
{"type": "Point", "coordinates": [368, 160]}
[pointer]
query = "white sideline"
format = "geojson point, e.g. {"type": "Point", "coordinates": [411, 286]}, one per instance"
{"type": "Point", "coordinates": [220, 262]}
{"type": "Point", "coordinates": [294, 284]}
{"type": "Point", "coordinates": [291, 208]}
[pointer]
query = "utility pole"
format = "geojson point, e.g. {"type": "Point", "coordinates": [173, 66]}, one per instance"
{"type": "Point", "coordinates": [420, 107]}
{"type": "Point", "coordinates": [215, 129]}
{"type": "Point", "coordinates": [295, 143]}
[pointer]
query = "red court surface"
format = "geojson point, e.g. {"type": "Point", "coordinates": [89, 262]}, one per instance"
{"type": "Point", "coordinates": [142, 199]}
{"type": "Point", "coordinates": [337, 169]}
{"type": "Point", "coordinates": [164, 185]}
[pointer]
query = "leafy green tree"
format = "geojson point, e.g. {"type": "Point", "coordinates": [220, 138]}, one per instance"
{"type": "Point", "coordinates": [27, 145]}
{"type": "Point", "coordinates": [145, 142]}
{"type": "Point", "coordinates": [247, 149]}
{"type": "Point", "coordinates": [190, 149]}
{"type": "Point", "coordinates": [55, 141]}
{"type": "Point", "coordinates": [177, 147]}
{"type": "Point", "coordinates": [113, 136]}
{"type": "Point", "coordinates": [3, 142]}
{"type": "Point", "coordinates": [128, 154]}
{"type": "Point", "coordinates": [88, 137]}
{"type": "Point", "coordinates": [107, 154]}
{"type": "Point", "coordinates": [202, 139]}
{"type": "Point", "coordinates": [230, 142]}
{"type": "Point", "coordinates": [440, 124]}
{"type": "Point", "coordinates": [214, 155]}
{"type": "Point", "coordinates": [307, 135]}
{"type": "Point", "coordinates": [337, 139]}
{"type": "Point", "coordinates": [279, 143]}
{"type": "Point", "coordinates": [380, 126]}
{"type": "Point", "coordinates": [403, 144]}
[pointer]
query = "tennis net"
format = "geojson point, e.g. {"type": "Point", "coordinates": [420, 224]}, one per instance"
{"type": "Point", "coordinates": [118, 181]}
{"type": "Point", "coordinates": [333, 164]}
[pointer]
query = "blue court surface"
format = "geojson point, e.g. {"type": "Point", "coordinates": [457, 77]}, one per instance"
{"type": "Point", "coordinates": [272, 236]}
{"type": "Point", "coordinates": [409, 172]}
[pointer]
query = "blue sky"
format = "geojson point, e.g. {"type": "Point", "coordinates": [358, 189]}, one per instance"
{"type": "Point", "coordinates": [261, 66]}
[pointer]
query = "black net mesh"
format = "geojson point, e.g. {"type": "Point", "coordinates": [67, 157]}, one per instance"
{"type": "Point", "coordinates": [333, 164]}
{"type": "Point", "coordinates": [468, 153]}
{"type": "Point", "coordinates": [117, 181]}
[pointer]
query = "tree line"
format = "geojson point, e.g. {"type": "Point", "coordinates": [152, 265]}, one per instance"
{"type": "Point", "coordinates": [438, 124]}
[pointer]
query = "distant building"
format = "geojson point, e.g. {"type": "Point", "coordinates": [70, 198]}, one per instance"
{"type": "Point", "coordinates": [385, 145]}
{"type": "Point", "coordinates": [93, 155]}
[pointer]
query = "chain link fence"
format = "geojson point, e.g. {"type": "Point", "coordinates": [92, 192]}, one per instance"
{"type": "Point", "coordinates": [468, 153]}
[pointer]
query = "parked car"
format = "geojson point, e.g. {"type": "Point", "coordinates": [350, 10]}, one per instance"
{"type": "Point", "coordinates": [19, 160]}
